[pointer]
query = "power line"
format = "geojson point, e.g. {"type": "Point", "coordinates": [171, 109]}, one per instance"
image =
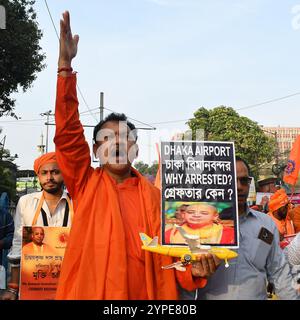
{"type": "Point", "coordinates": [166, 122]}
{"type": "Point", "coordinates": [141, 128]}
{"type": "Point", "coordinates": [89, 111]}
{"type": "Point", "coordinates": [87, 114]}
{"type": "Point", "coordinates": [243, 108]}
{"type": "Point", "coordinates": [85, 103]}
{"type": "Point", "coordinates": [20, 121]}
{"type": "Point", "coordinates": [93, 126]}
{"type": "Point", "coordinates": [49, 12]}
{"type": "Point", "coordinates": [146, 124]}
{"type": "Point", "coordinates": [51, 19]}
{"type": "Point", "coordinates": [269, 101]}
{"type": "Point", "coordinates": [26, 125]}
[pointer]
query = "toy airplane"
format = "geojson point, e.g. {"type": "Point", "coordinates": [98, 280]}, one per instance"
{"type": "Point", "coordinates": [186, 254]}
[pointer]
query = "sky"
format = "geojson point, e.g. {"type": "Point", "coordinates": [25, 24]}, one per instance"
{"type": "Point", "coordinates": [158, 61]}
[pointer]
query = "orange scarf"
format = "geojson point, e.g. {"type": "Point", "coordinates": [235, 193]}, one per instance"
{"type": "Point", "coordinates": [285, 227]}
{"type": "Point", "coordinates": [95, 265]}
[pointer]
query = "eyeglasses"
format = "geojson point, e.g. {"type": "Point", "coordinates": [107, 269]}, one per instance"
{"type": "Point", "coordinates": [245, 181]}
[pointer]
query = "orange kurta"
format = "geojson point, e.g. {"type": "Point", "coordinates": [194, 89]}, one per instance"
{"type": "Point", "coordinates": [285, 227]}
{"type": "Point", "coordinates": [294, 214]}
{"type": "Point", "coordinates": [104, 244]}
{"type": "Point", "coordinates": [129, 202]}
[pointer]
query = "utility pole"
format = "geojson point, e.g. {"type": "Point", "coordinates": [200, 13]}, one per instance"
{"type": "Point", "coordinates": [101, 105]}
{"type": "Point", "coordinates": [48, 114]}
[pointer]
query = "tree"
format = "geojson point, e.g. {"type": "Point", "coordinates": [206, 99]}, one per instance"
{"type": "Point", "coordinates": [7, 172]}
{"type": "Point", "coordinates": [225, 124]}
{"type": "Point", "coordinates": [7, 180]}
{"type": "Point", "coordinates": [20, 54]}
{"type": "Point", "coordinates": [145, 169]}
{"type": "Point", "coordinates": [141, 167]}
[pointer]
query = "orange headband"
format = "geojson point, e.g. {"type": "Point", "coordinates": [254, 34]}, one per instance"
{"type": "Point", "coordinates": [278, 200]}
{"type": "Point", "coordinates": [44, 159]}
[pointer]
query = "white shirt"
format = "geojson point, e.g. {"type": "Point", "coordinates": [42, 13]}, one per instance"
{"type": "Point", "coordinates": [25, 213]}
{"type": "Point", "coordinates": [292, 251]}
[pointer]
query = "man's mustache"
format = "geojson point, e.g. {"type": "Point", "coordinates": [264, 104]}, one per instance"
{"type": "Point", "coordinates": [51, 182]}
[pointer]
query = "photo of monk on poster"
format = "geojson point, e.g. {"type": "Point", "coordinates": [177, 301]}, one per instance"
{"type": "Point", "coordinates": [42, 256]}
{"type": "Point", "coordinates": [202, 219]}
{"type": "Point", "coordinates": [36, 245]}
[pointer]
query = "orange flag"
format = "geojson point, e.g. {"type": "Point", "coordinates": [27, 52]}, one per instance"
{"type": "Point", "coordinates": [293, 166]}
{"type": "Point", "coordinates": [157, 178]}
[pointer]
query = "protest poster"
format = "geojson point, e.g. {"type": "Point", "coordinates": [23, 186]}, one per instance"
{"type": "Point", "coordinates": [252, 192]}
{"type": "Point", "coordinates": [263, 197]}
{"type": "Point", "coordinates": [199, 192]}
{"type": "Point", "coordinates": [43, 250]}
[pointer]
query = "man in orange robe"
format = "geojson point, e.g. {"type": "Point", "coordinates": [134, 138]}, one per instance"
{"type": "Point", "coordinates": [104, 259]}
{"type": "Point", "coordinates": [279, 208]}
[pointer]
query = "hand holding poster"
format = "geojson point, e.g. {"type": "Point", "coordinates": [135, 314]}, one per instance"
{"type": "Point", "coordinates": [42, 255]}
{"type": "Point", "coordinates": [199, 192]}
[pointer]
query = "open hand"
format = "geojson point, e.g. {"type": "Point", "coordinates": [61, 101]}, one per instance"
{"type": "Point", "coordinates": [67, 43]}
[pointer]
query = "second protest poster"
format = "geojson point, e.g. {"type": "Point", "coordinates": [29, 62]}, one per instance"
{"type": "Point", "coordinates": [199, 192]}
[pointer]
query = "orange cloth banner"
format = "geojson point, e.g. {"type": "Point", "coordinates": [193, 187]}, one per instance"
{"type": "Point", "coordinates": [41, 261]}
{"type": "Point", "coordinates": [293, 165]}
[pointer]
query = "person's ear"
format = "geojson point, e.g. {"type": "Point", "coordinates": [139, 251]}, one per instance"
{"type": "Point", "coordinates": [133, 153]}
{"type": "Point", "coordinates": [95, 148]}
{"type": "Point", "coordinates": [217, 219]}
{"type": "Point", "coordinates": [137, 150]}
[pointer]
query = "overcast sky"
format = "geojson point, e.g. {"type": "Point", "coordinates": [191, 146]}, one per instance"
{"type": "Point", "coordinates": [160, 60]}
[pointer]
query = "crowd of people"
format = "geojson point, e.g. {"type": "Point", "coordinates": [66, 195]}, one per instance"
{"type": "Point", "coordinates": [113, 203]}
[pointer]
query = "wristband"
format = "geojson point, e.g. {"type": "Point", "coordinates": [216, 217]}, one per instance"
{"type": "Point", "coordinates": [14, 286]}
{"type": "Point", "coordinates": [65, 69]}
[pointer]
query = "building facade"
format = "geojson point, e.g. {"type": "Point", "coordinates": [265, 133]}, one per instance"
{"type": "Point", "coordinates": [285, 137]}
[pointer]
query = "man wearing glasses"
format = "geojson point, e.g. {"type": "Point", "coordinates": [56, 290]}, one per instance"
{"type": "Point", "coordinates": [260, 259]}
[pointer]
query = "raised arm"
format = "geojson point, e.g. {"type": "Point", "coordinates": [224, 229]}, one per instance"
{"type": "Point", "coordinates": [72, 151]}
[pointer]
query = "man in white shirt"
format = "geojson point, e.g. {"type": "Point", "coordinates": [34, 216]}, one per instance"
{"type": "Point", "coordinates": [50, 207]}
{"type": "Point", "coordinates": [292, 253]}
